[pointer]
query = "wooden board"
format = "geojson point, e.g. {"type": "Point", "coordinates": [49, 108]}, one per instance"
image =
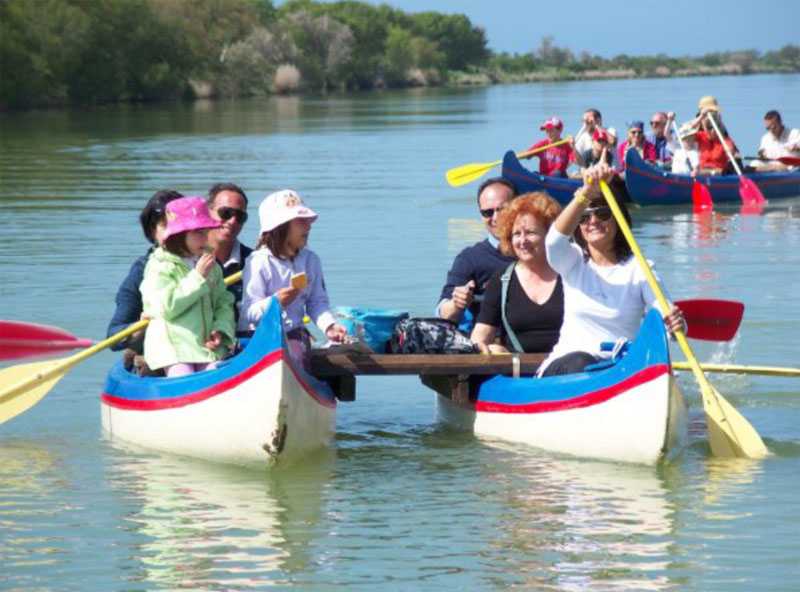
{"type": "Point", "coordinates": [333, 363]}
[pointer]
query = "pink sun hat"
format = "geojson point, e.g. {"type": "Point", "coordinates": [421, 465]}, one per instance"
{"type": "Point", "coordinates": [281, 207]}
{"type": "Point", "coordinates": [188, 213]}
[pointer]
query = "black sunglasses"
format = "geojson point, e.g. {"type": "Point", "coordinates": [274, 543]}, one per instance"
{"type": "Point", "coordinates": [489, 212]}
{"type": "Point", "coordinates": [602, 213]}
{"type": "Point", "coordinates": [226, 213]}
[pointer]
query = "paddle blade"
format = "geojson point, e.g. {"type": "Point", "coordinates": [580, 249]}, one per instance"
{"type": "Point", "coordinates": [22, 340]}
{"type": "Point", "coordinates": [701, 198]}
{"type": "Point", "coordinates": [711, 320]}
{"type": "Point", "coordinates": [789, 160]}
{"type": "Point", "coordinates": [469, 172]}
{"type": "Point", "coordinates": [729, 433]}
{"type": "Point", "coordinates": [750, 193]}
{"type": "Point", "coordinates": [15, 400]}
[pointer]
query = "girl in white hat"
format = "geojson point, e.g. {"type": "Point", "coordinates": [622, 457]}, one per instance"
{"type": "Point", "coordinates": [282, 267]}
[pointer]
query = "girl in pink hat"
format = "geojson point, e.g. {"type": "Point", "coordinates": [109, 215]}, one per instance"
{"type": "Point", "coordinates": [184, 295]}
{"type": "Point", "coordinates": [280, 256]}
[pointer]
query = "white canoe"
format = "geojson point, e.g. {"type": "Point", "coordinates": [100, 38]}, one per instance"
{"type": "Point", "coordinates": [258, 408]}
{"type": "Point", "coordinates": [631, 411]}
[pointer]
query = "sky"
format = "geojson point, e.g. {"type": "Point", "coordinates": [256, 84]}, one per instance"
{"type": "Point", "coordinates": [612, 27]}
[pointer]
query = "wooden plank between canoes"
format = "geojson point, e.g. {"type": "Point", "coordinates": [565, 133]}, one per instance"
{"type": "Point", "coordinates": [331, 363]}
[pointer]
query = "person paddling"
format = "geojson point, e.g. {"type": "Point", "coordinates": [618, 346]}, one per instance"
{"type": "Point", "coordinates": [554, 161]}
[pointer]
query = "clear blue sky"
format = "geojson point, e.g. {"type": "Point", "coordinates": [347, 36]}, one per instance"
{"type": "Point", "coordinates": [611, 27]}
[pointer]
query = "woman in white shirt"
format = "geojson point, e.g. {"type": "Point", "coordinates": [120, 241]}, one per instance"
{"type": "Point", "coordinates": [605, 293]}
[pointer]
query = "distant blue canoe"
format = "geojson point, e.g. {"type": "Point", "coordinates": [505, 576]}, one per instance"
{"type": "Point", "coordinates": [525, 181]}
{"type": "Point", "coordinates": [649, 185]}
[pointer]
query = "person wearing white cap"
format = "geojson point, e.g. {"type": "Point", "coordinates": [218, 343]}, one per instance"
{"type": "Point", "coordinates": [554, 161]}
{"type": "Point", "coordinates": [281, 267]}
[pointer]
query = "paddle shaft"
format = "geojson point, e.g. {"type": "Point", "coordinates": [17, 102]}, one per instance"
{"type": "Point", "coordinates": [737, 369]}
{"type": "Point", "coordinates": [749, 445]}
{"type": "Point", "coordinates": [724, 145]}
{"type": "Point", "coordinates": [61, 367]}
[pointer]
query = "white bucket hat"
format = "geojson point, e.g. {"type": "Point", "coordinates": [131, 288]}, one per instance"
{"type": "Point", "coordinates": [280, 207]}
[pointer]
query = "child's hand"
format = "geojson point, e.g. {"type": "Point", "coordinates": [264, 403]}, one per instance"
{"type": "Point", "coordinates": [286, 296]}
{"type": "Point", "coordinates": [336, 333]}
{"type": "Point", "coordinates": [214, 340]}
{"type": "Point", "coordinates": [205, 264]}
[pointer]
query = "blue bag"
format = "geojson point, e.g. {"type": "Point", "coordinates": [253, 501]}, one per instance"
{"type": "Point", "coordinates": [373, 326]}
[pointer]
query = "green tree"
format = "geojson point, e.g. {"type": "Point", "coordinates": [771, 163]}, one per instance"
{"type": "Point", "coordinates": [461, 43]}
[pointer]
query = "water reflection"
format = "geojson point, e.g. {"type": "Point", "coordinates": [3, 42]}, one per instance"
{"type": "Point", "coordinates": [205, 526]}
{"type": "Point", "coordinates": [577, 525]}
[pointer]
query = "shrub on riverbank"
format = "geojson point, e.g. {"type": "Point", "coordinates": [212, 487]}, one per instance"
{"type": "Point", "coordinates": [55, 52]}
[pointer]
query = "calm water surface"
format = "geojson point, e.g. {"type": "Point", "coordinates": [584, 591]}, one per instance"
{"type": "Point", "coordinates": [399, 502]}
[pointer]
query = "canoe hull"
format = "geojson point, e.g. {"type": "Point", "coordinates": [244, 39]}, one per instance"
{"type": "Point", "coordinates": [525, 181]}
{"type": "Point", "coordinates": [259, 409]}
{"type": "Point", "coordinates": [649, 185]}
{"type": "Point", "coordinates": [632, 411]}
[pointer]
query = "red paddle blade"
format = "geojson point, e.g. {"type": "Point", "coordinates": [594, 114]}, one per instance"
{"type": "Point", "coordinates": [23, 340]}
{"type": "Point", "coordinates": [711, 320]}
{"type": "Point", "coordinates": [789, 160]}
{"type": "Point", "coordinates": [750, 193]}
{"type": "Point", "coordinates": [701, 198]}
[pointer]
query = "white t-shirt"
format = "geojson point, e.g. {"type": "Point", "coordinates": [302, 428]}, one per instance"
{"type": "Point", "coordinates": [777, 147]}
{"type": "Point", "coordinates": [600, 303]}
{"type": "Point", "coordinates": [679, 160]}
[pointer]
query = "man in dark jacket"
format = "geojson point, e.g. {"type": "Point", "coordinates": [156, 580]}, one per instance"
{"type": "Point", "coordinates": [472, 267]}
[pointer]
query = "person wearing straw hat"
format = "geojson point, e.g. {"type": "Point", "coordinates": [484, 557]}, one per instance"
{"type": "Point", "coordinates": [184, 295]}
{"type": "Point", "coordinates": [282, 267]}
{"type": "Point", "coordinates": [713, 157]}
{"type": "Point", "coordinates": [681, 157]}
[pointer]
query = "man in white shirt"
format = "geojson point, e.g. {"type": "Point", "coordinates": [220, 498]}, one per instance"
{"type": "Point", "coordinates": [779, 141]}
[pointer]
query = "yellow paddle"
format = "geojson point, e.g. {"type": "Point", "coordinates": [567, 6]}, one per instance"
{"type": "Point", "coordinates": [737, 369]}
{"type": "Point", "coordinates": [729, 433]}
{"type": "Point", "coordinates": [24, 385]}
{"type": "Point", "coordinates": [467, 173]}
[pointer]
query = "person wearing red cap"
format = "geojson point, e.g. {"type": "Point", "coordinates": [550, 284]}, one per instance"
{"type": "Point", "coordinates": [554, 161]}
{"type": "Point", "coordinates": [601, 150]}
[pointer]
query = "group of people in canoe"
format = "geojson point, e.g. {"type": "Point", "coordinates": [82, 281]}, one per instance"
{"type": "Point", "coordinates": [194, 318]}
{"type": "Point", "coordinates": [698, 147]}
{"type": "Point", "coordinates": [546, 279]}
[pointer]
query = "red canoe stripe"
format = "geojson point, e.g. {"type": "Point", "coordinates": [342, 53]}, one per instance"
{"type": "Point", "coordinates": [587, 400]}
{"type": "Point", "coordinates": [207, 393]}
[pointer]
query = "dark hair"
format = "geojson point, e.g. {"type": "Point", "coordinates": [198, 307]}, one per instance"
{"type": "Point", "coordinates": [622, 250]}
{"type": "Point", "coordinates": [498, 180]}
{"type": "Point", "coordinates": [153, 211]}
{"type": "Point", "coordinates": [594, 112]}
{"type": "Point", "coordinates": [217, 188]}
{"type": "Point", "coordinates": [176, 244]}
{"type": "Point", "coordinates": [275, 239]}
{"type": "Point", "coordinates": [773, 114]}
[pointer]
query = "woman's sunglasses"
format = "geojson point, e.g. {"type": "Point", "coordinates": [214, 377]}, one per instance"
{"type": "Point", "coordinates": [226, 213]}
{"type": "Point", "coordinates": [602, 213]}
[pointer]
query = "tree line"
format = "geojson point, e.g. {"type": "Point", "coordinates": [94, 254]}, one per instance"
{"type": "Point", "coordinates": [60, 52]}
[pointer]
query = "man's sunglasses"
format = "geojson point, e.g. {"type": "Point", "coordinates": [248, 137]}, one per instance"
{"type": "Point", "coordinates": [602, 213]}
{"type": "Point", "coordinates": [489, 212]}
{"type": "Point", "coordinates": [226, 213]}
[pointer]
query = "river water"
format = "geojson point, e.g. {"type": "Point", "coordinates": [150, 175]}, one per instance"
{"type": "Point", "coordinates": [399, 502]}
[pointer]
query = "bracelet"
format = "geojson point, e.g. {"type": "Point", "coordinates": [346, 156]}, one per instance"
{"type": "Point", "coordinates": [581, 198]}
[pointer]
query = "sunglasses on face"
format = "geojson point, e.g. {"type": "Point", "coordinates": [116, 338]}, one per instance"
{"type": "Point", "coordinates": [602, 213]}
{"type": "Point", "coordinates": [226, 213]}
{"type": "Point", "coordinates": [657, 122]}
{"type": "Point", "coordinates": [489, 212]}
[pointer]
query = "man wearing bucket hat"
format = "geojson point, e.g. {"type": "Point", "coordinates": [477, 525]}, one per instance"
{"type": "Point", "coordinates": [184, 295]}
{"type": "Point", "coordinates": [554, 161]}
{"type": "Point", "coordinates": [282, 268]}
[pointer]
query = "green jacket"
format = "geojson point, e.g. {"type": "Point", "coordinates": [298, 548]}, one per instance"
{"type": "Point", "coordinates": [184, 308]}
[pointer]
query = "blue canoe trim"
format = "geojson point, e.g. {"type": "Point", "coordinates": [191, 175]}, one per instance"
{"type": "Point", "coordinates": [649, 185]}
{"type": "Point", "coordinates": [265, 348]}
{"type": "Point", "coordinates": [647, 358]}
{"type": "Point", "coordinates": [559, 188]}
